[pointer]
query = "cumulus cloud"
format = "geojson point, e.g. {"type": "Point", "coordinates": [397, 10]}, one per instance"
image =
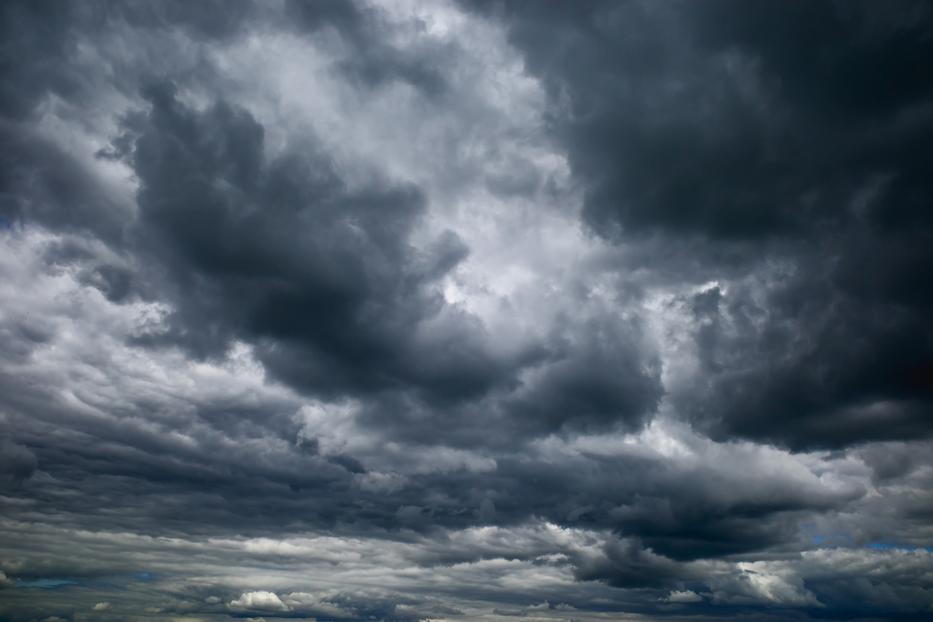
{"type": "Point", "coordinates": [259, 600]}
{"type": "Point", "coordinates": [704, 134]}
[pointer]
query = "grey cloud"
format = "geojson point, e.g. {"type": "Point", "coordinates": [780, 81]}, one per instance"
{"type": "Point", "coordinates": [678, 103]}
{"type": "Point", "coordinates": [293, 325]}
{"type": "Point", "coordinates": [370, 59]}
{"type": "Point", "coordinates": [599, 376]}
{"type": "Point", "coordinates": [791, 135]}
{"type": "Point", "coordinates": [40, 183]}
{"type": "Point", "coordinates": [321, 273]}
{"type": "Point", "coordinates": [17, 463]}
{"type": "Point", "coordinates": [812, 366]}
{"type": "Point", "coordinates": [37, 40]}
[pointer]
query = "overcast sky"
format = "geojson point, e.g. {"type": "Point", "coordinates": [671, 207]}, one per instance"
{"type": "Point", "coordinates": [458, 311]}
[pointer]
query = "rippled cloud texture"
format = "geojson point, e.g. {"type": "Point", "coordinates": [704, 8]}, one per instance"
{"type": "Point", "coordinates": [435, 310]}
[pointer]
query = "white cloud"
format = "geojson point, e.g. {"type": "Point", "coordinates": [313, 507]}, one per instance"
{"type": "Point", "coordinates": [260, 600]}
{"type": "Point", "coordinates": [682, 597]}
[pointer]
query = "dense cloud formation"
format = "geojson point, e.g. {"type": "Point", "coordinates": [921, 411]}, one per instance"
{"type": "Point", "coordinates": [800, 128]}
{"type": "Point", "coordinates": [466, 310]}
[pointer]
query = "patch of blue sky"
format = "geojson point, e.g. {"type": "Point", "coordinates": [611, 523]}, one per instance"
{"type": "Point", "coordinates": [887, 546]}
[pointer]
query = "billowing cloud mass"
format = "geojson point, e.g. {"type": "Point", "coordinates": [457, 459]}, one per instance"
{"type": "Point", "coordinates": [443, 310]}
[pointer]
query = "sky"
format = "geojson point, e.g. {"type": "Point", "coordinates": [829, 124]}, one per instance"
{"type": "Point", "coordinates": [466, 310]}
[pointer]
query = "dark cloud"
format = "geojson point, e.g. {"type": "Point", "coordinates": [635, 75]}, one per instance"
{"type": "Point", "coordinates": [401, 312]}
{"type": "Point", "coordinates": [370, 59]}
{"type": "Point", "coordinates": [626, 564]}
{"type": "Point", "coordinates": [17, 463]}
{"type": "Point", "coordinates": [732, 120]}
{"type": "Point", "coordinates": [37, 39]}
{"type": "Point", "coordinates": [285, 253]}
{"type": "Point", "coordinates": [203, 20]}
{"type": "Point", "coordinates": [794, 135]}
{"type": "Point", "coordinates": [598, 378]}
{"type": "Point", "coordinates": [40, 183]}
{"type": "Point", "coordinates": [820, 369]}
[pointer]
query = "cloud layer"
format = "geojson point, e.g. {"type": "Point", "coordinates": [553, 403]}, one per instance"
{"type": "Point", "coordinates": [439, 310]}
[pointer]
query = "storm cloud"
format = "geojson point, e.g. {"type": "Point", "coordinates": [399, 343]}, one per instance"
{"type": "Point", "coordinates": [466, 310]}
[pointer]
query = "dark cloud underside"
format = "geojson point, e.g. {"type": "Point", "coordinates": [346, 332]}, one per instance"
{"type": "Point", "coordinates": [799, 126]}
